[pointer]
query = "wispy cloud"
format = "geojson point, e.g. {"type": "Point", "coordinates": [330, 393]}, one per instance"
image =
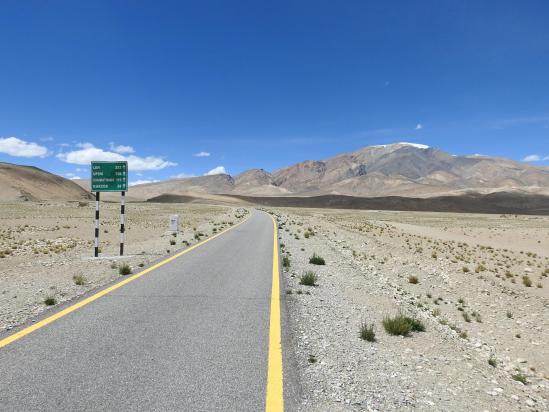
{"type": "Point", "coordinates": [72, 176]}
{"type": "Point", "coordinates": [219, 170]}
{"type": "Point", "coordinates": [532, 158]}
{"type": "Point", "coordinates": [182, 176]}
{"type": "Point", "coordinates": [520, 121]}
{"type": "Point", "coordinates": [535, 158]}
{"type": "Point", "coordinates": [21, 148]}
{"type": "Point", "coordinates": [121, 149]}
{"type": "Point", "coordinates": [202, 154]}
{"type": "Point", "coordinates": [419, 126]}
{"type": "Point", "coordinates": [87, 152]}
{"type": "Point", "coordinates": [142, 182]}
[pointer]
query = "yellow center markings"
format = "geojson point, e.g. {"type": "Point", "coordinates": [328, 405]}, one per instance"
{"type": "Point", "coordinates": [24, 332]}
{"type": "Point", "coordinates": [275, 397]}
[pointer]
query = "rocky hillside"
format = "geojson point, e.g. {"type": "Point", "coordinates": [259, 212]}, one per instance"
{"type": "Point", "coordinates": [31, 183]}
{"type": "Point", "coordinates": [401, 169]}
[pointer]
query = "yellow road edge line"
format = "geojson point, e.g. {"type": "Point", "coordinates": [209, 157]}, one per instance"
{"type": "Point", "coordinates": [24, 332]}
{"type": "Point", "coordinates": [274, 401]}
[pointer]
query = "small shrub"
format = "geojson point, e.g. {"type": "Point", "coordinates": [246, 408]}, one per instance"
{"type": "Point", "coordinates": [492, 361]}
{"type": "Point", "coordinates": [367, 332]}
{"type": "Point", "coordinates": [285, 262]}
{"type": "Point", "coordinates": [312, 359]}
{"type": "Point", "coordinates": [413, 279]}
{"type": "Point", "coordinates": [172, 242]}
{"type": "Point", "coordinates": [402, 325]}
{"type": "Point", "coordinates": [309, 278]}
{"type": "Point", "coordinates": [465, 269]}
{"type": "Point", "coordinates": [316, 260]}
{"type": "Point", "coordinates": [124, 269]}
{"type": "Point", "coordinates": [463, 334]}
{"type": "Point", "coordinates": [509, 314]}
{"type": "Point", "coordinates": [79, 280]}
{"type": "Point", "coordinates": [520, 378]}
{"type": "Point", "coordinates": [526, 281]}
{"type": "Point", "coordinates": [466, 317]}
{"type": "Point", "coordinates": [50, 300]}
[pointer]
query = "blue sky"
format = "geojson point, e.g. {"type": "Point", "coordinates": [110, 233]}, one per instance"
{"type": "Point", "coordinates": [267, 84]}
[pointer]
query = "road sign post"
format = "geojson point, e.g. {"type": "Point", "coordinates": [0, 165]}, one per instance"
{"type": "Point", "coordinates": [109, 177]}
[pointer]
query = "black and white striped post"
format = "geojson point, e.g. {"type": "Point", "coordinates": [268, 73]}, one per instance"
{"type": "Point", "coordinates": [122, 221]}
{"type": "Point", "coordinates": [97, 224]}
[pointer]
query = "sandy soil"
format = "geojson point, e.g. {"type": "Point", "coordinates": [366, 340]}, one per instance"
{"type": "Point", "coordinates": [482, 294]}
{"type": "Point", "coordinates": [43, 246]}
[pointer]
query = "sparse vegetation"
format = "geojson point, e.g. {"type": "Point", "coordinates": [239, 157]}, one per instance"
{"type": "Point", "coordinates": [79, 280]}
{"type": "Point", "coordinates": [402, 325]}
{"type": "Point", "coordinates": [519, 377]}
{"type": "Point", "coordinates": [50, 300]}
{"type": "Point", "coordinates": [316, 260]}
{"type": "Point", "coordinates": [124, 269]}
{"type": "Point", "coordinates": [309, 278]}
{"type": "Point", "coordinates": [286, 262]}
{"type": "Point", "coordinates": [367, 332]}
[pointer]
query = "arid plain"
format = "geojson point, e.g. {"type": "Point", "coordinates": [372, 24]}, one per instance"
{"type": "Point", "coordinates": [477, 284]}
{"type": "Point", "coordinates": [46, 248]}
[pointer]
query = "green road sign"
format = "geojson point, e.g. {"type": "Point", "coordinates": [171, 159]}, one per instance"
{"type": "Point", "coordinates": [109, 176]}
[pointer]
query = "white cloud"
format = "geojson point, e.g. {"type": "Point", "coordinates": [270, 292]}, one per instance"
{"type": "Point", "coordinates": [72, 176]}
{"type": "Point", "coordinates": [219, 170]}
{"type": "Point", "coordinates": [20, 148]}
{"type": "Point", "coordinates": [532, 158]}
{"type": "Point", "coordinates": [182, 176]}
{"type": "Point", "coordinates": [419, 126]}
{"type": "Point", "coordinates": [88, 152]}
{"type": "Point", "coordinates": [202, 154]}
{"type": "Point", "coordinates": [142, 182]}
{"type": "Point", "coordinates": [121, 149]}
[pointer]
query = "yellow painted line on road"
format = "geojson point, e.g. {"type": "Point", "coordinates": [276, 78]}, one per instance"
{"type": "Point", "coordinates": [24, 332]}
{"type": "Point", "coordinates": [275, 393]}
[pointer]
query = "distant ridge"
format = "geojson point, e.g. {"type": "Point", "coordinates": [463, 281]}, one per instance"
{"type": "Point", "coordinates": [500, 203]}
{"type": "Point", "coordinates": [399, 169]}
{"type": "Point", "coordinates": [31, 183]}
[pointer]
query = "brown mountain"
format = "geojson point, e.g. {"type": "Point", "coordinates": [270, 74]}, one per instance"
{"type": "Point", "coordinates": [31, 183]}
{"type": "Point", "coordinates": [409, 169]}
{"type": "Point", "coordinates": [400, 169]}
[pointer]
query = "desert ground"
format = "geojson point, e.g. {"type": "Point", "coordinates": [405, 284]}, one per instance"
{"type": "Point", "coordinates": [475, 287]}
{"type": "Point", "coordinates": [46, 248]}
{"type": "Point", "coordinates": [477, 284]}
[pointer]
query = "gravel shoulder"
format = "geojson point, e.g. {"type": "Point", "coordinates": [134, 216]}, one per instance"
{"type": "Point", "coordinates": [485, 328]}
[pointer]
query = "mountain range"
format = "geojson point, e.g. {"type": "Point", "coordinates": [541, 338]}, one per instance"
{"type": "Point", "coordinates": [400, 169]}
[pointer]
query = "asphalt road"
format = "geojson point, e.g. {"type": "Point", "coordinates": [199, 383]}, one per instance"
{"type": "Point", "coordinates": [192, 335]}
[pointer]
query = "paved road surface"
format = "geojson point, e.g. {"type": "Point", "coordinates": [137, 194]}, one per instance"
{"type": "Point", "coordinates": [192, 335]}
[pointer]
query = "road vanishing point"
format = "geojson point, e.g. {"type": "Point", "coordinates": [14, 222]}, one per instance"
{"type": "Point", "coordinates": [198, 331]}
